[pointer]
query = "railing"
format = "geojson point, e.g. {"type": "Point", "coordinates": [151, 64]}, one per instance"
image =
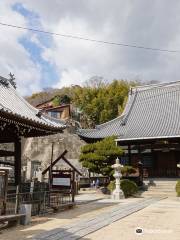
{"type": "Point", "coordinates": [41, 201]}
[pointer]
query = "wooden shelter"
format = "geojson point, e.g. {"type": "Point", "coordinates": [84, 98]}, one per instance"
{"type": "Point", "coordinates": [62, 175]}
{"type": "Point", "coordinates": [18, 119]}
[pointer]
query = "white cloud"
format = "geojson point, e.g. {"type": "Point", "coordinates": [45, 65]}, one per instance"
{"type": "Point", "coordinates": [69, 77]}
{"type": "Point", "coordinates": [14, 57]}
{"type": "Point", "coordinates": [152, 24]}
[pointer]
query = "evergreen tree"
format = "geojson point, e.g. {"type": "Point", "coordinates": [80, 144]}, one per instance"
{"type": "Point", "coordinates": [102, 102]}
{"type": "Point", "coordinates": [100, 156]}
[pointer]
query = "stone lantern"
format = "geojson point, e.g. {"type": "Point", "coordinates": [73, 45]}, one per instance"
{"type": "Point", "coordinates": [117, 193]}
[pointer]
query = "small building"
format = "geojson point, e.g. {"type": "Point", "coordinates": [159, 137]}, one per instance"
{"type": "Point", "coordinates": [148, 130]}
{"type": "Point", "coordinates": [18, 119]}
{"type": "Point", "coordinates": [62, 111]}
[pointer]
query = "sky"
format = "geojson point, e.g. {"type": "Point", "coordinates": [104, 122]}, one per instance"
{"type": "Point", "coordinates": [40, 61]}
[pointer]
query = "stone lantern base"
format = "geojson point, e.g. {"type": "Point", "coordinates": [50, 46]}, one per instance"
{"type": "Point", "coordinates": [117, 195]}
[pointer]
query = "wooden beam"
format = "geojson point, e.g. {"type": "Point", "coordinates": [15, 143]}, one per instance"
{"type": "Point", "coordinates": [51, 166]}
{"type": "Point", "coordinates": [6, 140]}
{"type": "Point", "coordinates": [74, 168]}
{"type": "Point", "coordinates": [17, 161]}
{"type": "Point", "coordinates": [4, 153]}
{"type": "Point", "coordinates": [7, 163]}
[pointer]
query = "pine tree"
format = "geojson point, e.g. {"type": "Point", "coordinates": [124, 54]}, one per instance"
{"type": "Point", "coordinates": [100, 156]}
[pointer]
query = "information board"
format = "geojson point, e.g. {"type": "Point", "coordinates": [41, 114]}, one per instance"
{"type": "Point", "coordinates": [61, 181]}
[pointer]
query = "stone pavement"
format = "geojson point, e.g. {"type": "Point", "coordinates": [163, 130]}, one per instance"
{"type": "Point", "coordinates": [106, 219]}
{"type": "Point", "coordinates": [85, 197]}
{"type": "Point", "coordinates": [86, 226]}
{"type": "Point", "coordinates": [158, 221]}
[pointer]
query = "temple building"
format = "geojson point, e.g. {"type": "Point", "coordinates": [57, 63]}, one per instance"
{"type": "Point", "coordinates": [18, 119]}
{"type": "Point", "coordinates": [148, 129]}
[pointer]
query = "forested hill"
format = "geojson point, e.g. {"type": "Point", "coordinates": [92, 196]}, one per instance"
{"type": "Point", "coordinates": [98, 101]}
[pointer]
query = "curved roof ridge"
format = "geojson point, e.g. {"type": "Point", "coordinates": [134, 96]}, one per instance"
{"type": "Point", "coordinates": [35, 110]}
{"type": "Point", "coordinates": [155, 118]}
{"type": "Point", "coordinates": [55, 120]}
{"type": "Point", "coordinates": [19, 96]}
{"type": "Point", "coordinates": [13, 103]}
{"type": "Point", "coordinates": [107, 123]}
{"type": "Point", "coordinates": [129, 104]}
{"type": "Point", "coordinates": [154, 86]}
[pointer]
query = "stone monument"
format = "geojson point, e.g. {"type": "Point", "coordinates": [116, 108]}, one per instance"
{"type": "Point", "coordinates": [117, 193]}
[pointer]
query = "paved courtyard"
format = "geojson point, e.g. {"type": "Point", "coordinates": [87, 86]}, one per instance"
{"type": "Point", "coordinates": [158, 217]}
{"type": "Point", "coordinates": [159, 221]}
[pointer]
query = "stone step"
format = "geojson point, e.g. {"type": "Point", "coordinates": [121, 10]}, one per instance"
{"type": "Point", "coordinates": [163, 187]}
{"type": "Point", "coordinates": [161, 191]}
{"type": "Point", "coordinates": [161, 183]}
{"type": "Point", "coordinates": [160, 187]}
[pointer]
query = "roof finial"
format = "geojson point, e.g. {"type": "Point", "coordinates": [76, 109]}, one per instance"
{"type": "Point", "coordinates": [131, 91]}
{"type": "Point", "coordinates": [4, 82]}
{"type": "Point", "coordinates": [11, 80]}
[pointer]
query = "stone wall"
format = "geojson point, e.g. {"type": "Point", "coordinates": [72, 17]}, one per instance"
{"type": "Point", "coordinates": [40, 150]}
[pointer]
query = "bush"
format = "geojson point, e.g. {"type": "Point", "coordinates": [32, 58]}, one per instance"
{"type": "Point", "coordinates": [127, 170]}
{"type": "Point", "coordinates": [178, 188]}
{"type": "Point", "coordinates": [128, 187]}
{"type": "Point", "coordinates": [111, 186]}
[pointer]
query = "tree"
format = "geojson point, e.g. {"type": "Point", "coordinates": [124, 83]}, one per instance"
{"type": "Point", "coordinates": [102, 101]}
{"type": "Point", "coordinates": [58, 100]}
{"type": "Point", "coordinates": [98, 100]}
{"type": "Point", "coordinates": [100, 156]}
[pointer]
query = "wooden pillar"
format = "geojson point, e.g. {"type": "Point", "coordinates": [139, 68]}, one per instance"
{"type": "Point", "coordinates": [73, 185]}
{"type": "Point", "coordinates": [129, 154]}
{"type": "Point", "coordinates": [51, 168]}
{"type": "Point", "coordinates": [17, 161]}
{"type": "Point", "coordinates": [139, 152]}
{"type": "Point", "coordinates": [154, 161]}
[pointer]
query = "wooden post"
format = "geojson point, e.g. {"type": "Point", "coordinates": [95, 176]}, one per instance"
{"type": "Point", "coordinates": [129, 154]}
{"type": "Point", "coordinates": [140, 167]}
{"type": "Point", "coordinates": [17, 200]}
{"type": "Point", "coordinates": [5, 190]}
{"type": "Point", "coordinates": [51, 166]}
{"type": "Point", "coordinates": [17, 163]}
{"type": "Point", "coordinates": [73, 187]}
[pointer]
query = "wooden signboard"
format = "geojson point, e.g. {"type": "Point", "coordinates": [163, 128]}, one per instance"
{"type": "Point", "coordinates": [61, 179]}
{"type": "Point", "coordinates": [64, 180]}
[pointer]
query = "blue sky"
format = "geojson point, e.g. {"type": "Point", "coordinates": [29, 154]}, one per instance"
{"type": "Point", "coordinates": [49, 74]}
{"type": "Point", "coordinates": [41, 61]}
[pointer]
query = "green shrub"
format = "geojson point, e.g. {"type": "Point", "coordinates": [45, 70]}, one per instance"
{"type": "Point", "coordinates": [111, 186]}
{"type": "Point", "coordinates": [178, 188]}
{"type": "Point", "coordinates": [127, 170]}
{"type": "Point", "coordinates": [128, 187]}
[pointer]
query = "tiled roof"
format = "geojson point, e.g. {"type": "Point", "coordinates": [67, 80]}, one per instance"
{"type": "Point", "coordinates": [12, 104]}
{"type": "Point", "coordinates": [152, 111]}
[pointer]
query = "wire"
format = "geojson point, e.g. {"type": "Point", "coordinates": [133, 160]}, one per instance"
{"type": "Point", "coordinates": [89, 39]}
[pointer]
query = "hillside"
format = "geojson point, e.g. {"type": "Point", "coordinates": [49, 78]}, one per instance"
{"type": "Point", "coordinates": [97, 100]}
